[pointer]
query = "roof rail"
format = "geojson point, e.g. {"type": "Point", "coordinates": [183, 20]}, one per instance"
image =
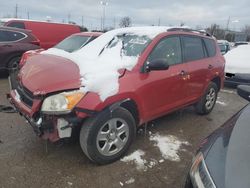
{"type": "Point", "coordinates": [203, 32]}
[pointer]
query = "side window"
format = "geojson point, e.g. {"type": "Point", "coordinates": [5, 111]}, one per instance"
{"type": "Point", "coordinates": [193, 48]}
{"type": "Point", "coordinates": [210, 46]}
{"type": "Point", "coordinates": [17, 25]}
{"type": "Point", "coordinates": [169, 49]}
{"type": "Point", "coordinates": [10, 36]}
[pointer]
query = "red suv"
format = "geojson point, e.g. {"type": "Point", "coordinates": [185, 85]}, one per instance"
{"type": "Point", "coordinates": [121, 80]}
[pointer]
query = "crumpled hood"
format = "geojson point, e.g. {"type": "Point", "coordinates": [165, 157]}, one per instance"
{"type": "Point", "coordinates": [228, 158]}
{"type": "Point", "coordinates": [44, 74]}
{"type": "Point", "coordinates": [238, 60]}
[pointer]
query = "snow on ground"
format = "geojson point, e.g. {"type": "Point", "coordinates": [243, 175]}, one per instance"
{"type": "Point", "coordinates": [99, 65]}
{"type": "Point", "coordinates": [169, 146]}
{"type": "Point", "coordinates": [221, 103]}
{"type": "Point", "coordinates": [130, 181]}
{"type": "Point", "coordinates": [238, 60]}
{"type": "Point", "coordinates": [136, 157]}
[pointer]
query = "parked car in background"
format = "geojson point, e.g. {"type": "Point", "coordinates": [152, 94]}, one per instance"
{"type": "Point", "coordinates": [222, 161]}
{"type": "Point", "coordinates": [70, 44]}
{"type": "Point", "coordinates": [13, 43]}
{"type": "Point", "coordinates": [122, 79]}
{"type": "Point", "coordinates": [240, 43]}
{"type": "Point", "coordinates": [48, 33]}
{"type": "Point", "coordinates": [224, 46]}
{"type": "Point", "coordinates": [237, 69]}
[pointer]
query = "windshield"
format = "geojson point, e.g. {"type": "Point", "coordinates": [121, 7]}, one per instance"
{"type": "Point", "coordinates": [132, 45]}
{"type": "Point", "coordinates": [73, 43]}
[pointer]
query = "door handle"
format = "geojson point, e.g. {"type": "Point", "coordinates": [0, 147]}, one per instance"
{"type": "Point", "coordinates": [210, 66]}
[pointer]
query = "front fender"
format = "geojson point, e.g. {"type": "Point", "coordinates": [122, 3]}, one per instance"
{"type": "Point", "coordinates": [92, 102]}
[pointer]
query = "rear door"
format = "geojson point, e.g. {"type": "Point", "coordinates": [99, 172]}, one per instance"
{"type": "Point", "coordinates": [195, 57]}
{"type": "Point", "coordinates": [164, 90]}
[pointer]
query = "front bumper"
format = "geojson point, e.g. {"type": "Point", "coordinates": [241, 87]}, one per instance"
{"type": "Point", "coordinates": [48, 127]}
{"type": "Point", "coordinates": [233, 80]}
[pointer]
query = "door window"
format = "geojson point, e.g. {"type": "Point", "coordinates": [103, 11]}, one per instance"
{"type": "Point", "coordinates": [168, 49]}
{"type": "Point", "coordinates": [10, 36]}
{"type": "Point", "coordinates": [17, 25]}
{"type": "Point", "coordinates": [193, 48]}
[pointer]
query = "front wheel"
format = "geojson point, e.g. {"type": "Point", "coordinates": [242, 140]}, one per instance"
{"type": "Point", "coordinates": [107, 136]}
{"type": "Point", "coordinates": [208, 100]}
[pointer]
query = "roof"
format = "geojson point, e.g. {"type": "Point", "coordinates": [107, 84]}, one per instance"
{"type": "Point", "coordinates": [19, 19]}
{"type": "Point", "coordinates": [15, 29]}
{"type": "Point", "coordinates": [95, 34]}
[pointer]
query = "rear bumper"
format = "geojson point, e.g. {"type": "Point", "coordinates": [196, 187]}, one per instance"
{"type": "Point", "coordinates": [233, 80]}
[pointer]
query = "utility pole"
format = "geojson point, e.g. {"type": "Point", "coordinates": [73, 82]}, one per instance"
{"type": "Point", "coordinates": [28, 15]}
{"type": "Point", "coordinates": [228, 21]}
{"type": "Point", "coordinates": [159, 21]}
{"type": "Point", "coordinates": [104, 4]}
{"type": "Point", "coordinates": [69, 18]}
{"type": "Point", "coordinates": [16, 10]}
{"type": "Point", "coordinates": [114, 22]}
{"type": "Point", "coordinates": [82, 20]}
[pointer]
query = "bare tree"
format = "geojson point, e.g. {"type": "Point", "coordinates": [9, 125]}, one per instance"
{"type": "Point", "coordinates": [125, 22]}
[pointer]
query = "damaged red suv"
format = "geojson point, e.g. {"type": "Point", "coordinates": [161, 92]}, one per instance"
{"type": "Point", "coordinates": [119, 81]}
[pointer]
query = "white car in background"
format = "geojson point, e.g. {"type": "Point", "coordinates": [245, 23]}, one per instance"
{"type": "Point", "coordinates": [237, 68]}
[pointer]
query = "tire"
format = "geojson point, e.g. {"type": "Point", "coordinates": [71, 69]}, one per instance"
{"type": "Point", "coordinates": [208, 100]}
{"type": "Point", "coordinates": [13, 63]}
{"type": "Point", "coordinates": [107, 136]}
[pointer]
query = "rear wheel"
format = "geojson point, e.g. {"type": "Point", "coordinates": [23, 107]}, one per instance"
{"type": "Point", "coordinates": [208, 100]}
{"type": "Point", "coordinates": [14, 63]}
{"type": "Point", "coordinates": [107, 136]}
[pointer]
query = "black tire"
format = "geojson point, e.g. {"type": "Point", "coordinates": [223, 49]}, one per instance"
{"type": "Point", "coordinates": [14, 63]}
{"type": "Point", "coordinates": [91, 130]}
{"type": "Point", "coordinates": [202, 106]}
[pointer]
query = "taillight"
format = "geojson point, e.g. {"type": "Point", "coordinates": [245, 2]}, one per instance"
{"type": "Point", "coordinates": [36, 42]}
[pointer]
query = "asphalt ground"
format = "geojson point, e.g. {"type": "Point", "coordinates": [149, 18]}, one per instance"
{"type": "Point", "coordinates": [28, 161]}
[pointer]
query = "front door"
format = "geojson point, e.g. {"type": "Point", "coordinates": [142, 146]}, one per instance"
{"type": "Point", "coordinates": [164, 90]}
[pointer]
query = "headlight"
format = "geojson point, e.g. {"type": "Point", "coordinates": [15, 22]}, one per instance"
{"type": "Point", "coordinates": [62, 103]}
{"type": "Point", "coordinates": [199, 173]}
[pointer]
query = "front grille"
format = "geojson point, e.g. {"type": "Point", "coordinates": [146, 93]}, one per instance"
{"type": "Point", "coordinates": [26, 96]}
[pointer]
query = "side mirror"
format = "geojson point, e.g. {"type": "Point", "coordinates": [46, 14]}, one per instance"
{"type": "Point", "coordinates": [244, 91]}
{"type": "Point", "coordinates": [158, 64]}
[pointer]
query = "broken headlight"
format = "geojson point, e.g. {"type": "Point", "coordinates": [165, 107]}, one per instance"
{"type": "Point", "coordinates": [61, 103]}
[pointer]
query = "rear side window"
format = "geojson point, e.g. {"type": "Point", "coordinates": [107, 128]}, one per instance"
{"type": "Point", "coordinates": [10, 36]}
{"type": "Point", "coordinates": [17, 25]}
{"type": "Point", "coordinates": [210, 46]}
{"type": "Point", "coordinates": [193, 48]}
{"type": "Point", "coordinates": [168, 49]}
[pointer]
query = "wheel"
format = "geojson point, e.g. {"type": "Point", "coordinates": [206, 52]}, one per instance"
{"type": "Point", "coordinates": [14, 63]}
{"type": "Point", "coordinates": [107, 136]}
{"type": "Point", "coordinates": [207, 101]}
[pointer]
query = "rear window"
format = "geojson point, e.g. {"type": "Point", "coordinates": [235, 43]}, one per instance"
{"type": "Point", "coordinates": [210, 46]}
{"type": "Point", "coordinates": [10, 36]}
{"type": "Point", "coordinates": [2, 23]}
{"type": "Point", "coordinates": [72, 43]}
{"type": "Point", "coordinates": [193, 48]}
{"type": "Point", "coordinates": [17, 25]}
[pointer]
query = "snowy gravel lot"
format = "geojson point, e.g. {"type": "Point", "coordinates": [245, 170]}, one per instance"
{"type": "Point", "coordinates": [160, 156]}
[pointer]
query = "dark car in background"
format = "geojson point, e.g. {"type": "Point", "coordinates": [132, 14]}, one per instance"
{"type": "Point", "coordinates": [222, 161]}
{"type": "Point", "coordinates": [13, 43]}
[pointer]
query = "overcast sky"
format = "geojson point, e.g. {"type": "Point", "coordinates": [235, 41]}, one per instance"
{"type": "Point", "coordinates": [166, 12]}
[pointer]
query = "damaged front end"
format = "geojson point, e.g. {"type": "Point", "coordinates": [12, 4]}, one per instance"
{"type": "Point", "coordinates": [52, 117]}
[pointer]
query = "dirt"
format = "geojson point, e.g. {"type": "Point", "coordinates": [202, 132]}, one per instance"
{"type": "Point", "coordinates": [27, 161]}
